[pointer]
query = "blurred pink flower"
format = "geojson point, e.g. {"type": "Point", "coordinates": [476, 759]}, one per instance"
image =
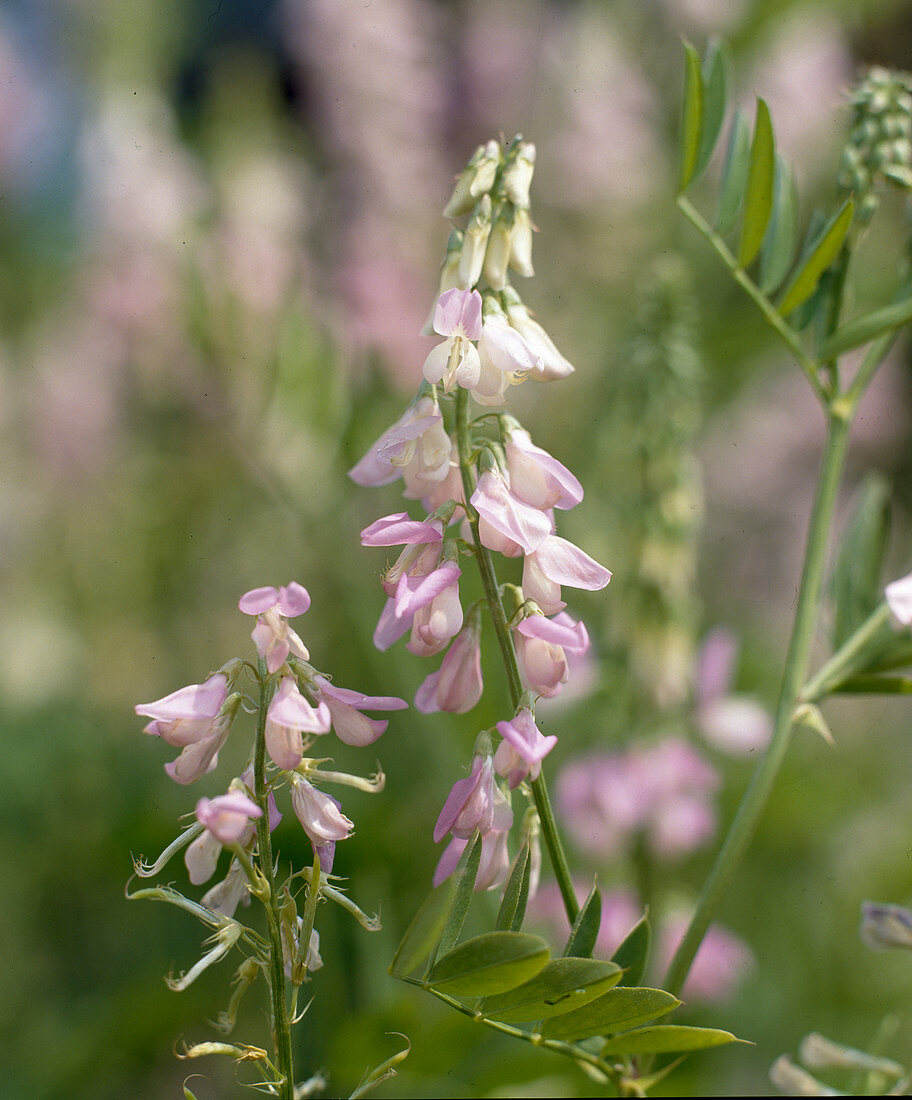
{"type": "Point", "coordinates": [721, 962]}
{"type": "Point", "coordinates": [662, 791]}
{"type": "Point", "coordinates": [731, 723]}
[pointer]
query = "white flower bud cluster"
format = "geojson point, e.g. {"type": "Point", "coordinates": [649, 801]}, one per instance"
{"type": "Point", "coordinates": [879, 147]}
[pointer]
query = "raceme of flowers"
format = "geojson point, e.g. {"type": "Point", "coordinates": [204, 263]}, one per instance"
{"type": "Point", "coordinates": [502, 484]}
{"type": "Point", "coordinates": [305, 705]}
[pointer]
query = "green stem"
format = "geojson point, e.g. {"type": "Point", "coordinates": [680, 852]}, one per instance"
{"type": "Point", "coordinates": [843, 660]}
{"type": "Point", "coordinates": [766, 307]}
{"type": "Point", "coordinates": [281, 1027]}
{"type": "Point", "coordinates": [755, 798]}
{"type": "Point", "coordinates": [508, 652]}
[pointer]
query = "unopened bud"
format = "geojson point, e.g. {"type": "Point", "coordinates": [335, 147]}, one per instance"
{"type": "Point", "coordinates": [521, 253]}
{"type": "Point", "coordinates": [794, 1081]}
{"type": "Point", "coordinates": [517, 176]}
{"type": "Point", "coordinates": [819, 1052]}
{"type": "Point", "coordinates": [497, 254]}
{"type": "Point", "coordinates": [462, 201]}
{"type": "Point", "coordinates": [474, 245]}
{"type": "Point", "coordinates": [884, 925]}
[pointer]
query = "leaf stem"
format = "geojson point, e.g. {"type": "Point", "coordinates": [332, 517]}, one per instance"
{"type": "Point", "coordinates": [281, 1027]}
{"type": "Point", "coordinates": [766, 307]}
{"type": "Point", "coordinates": [508, 652]}
{"type": "Point", "coordinates": [755, 798]}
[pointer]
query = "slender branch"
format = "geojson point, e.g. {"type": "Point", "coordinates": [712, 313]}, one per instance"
{"type": "Point", "coordinates": [578, 1054]}
{"type": "Point", "coordinates": [508, 652]}
{"type": "Point", "coordinates": [834, 670]}
{"type": "Point", "coordinates": [281, 1027]}
{"type": "Point", "coordinates": [788, 334]}
{"type": "Point", "coordinates": [755, 798]}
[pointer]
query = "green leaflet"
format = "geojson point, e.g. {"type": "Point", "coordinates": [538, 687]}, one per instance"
{"type": "Point", "coordinates": [586, 926]}
{"type": "Point", "coordinates": [424, 932]}
{"type": "Point", "coordinates": [516, 894]}
{"type": "Point", "coordinates": [867, 327]}
{"type": "Point", "coordinates": [856, 585]}
{"type": "Point", "coordinates": [758, 196]}
{"type": "Point", "coordinates": [562, 985]}
{"type": "Point", "coordinates": [464, 876]}
{"type": "Point", "coordinates": [778, 249]}
{"type": "Point", "coordinates": [715, 98]}
{"type": "Point", "coordinates": [488, 964]}
{"type": "Point", "coordinates": [692, 118]}
{"type": "Point", "coordinates": [624, 1007]}
{"type": "Point", "coordinates": [667, 1039]}
{"type": "Point", "coordinates": [734, 175]}
{"type": "Point", "coordinates": [822, 253]}
{"type": "Point", "coordinates": [633, 953]}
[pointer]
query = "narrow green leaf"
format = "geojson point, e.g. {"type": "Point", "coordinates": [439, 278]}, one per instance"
{"type": "Point", "coordinates": [758, 196]}
{"type": "Point", "coordinates": [692, 120]}
{"type": "Point", "coordinates": [562, 985]}
{"type": "Point", "coordinates": [867, 327]}
{"type": "Point", "coordinates": [856, 585]}
{"type": "Point", "coordinates": [464, 877]}
{"type": "Point", "coordinates": [488, 964]}
{"type": "Point", "coordinates": [633, 953]}
{"type": "Point", "coordinates": [624, 1007]}
{"type": "Point", "coordinates": [864, 684]}
{"type": "Point", "coordinates": [780, 241]}
{"type": "Point", "coordinates": [715, 98]}
{"type": "Point", "coordinates": [424, 932]}
{"type": "Point", "coordinates": [734, 175]}
{"type": "Point", "coordinates": [586, 926]}
{"type": "Point", "coordinates": [513, 907]}
{"type": "Point", "coordinates": [667, 1039]}
{"type": "Point", "coordinates": [804, 281]}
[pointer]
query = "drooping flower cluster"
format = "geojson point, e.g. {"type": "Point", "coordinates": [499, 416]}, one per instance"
{"type": "Point", "coordinates": [304, 704]}
{"type": "Point", "coordinates": [485, 487]}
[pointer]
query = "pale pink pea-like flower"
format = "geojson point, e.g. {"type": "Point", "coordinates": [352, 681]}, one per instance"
{"type": "Point", "coordinates": [470, 804]}
{"type": "Point", "coordinates": [541, 649]}
{"type": "Point", "coordinates": [505, 357]}
{"type": "Point", "coordinates": [457, 685]}
{"type": "Point", "coordinates": [228, 817]}
{"type": "Point", "coordinates": [433, 595]}
{"type": "Point", "coordinates": [536, 477]}
{"type": "Point", "coordinates": [321, 818]}
{"type": "Point", "coordinates": [398, 529]}
{"type": "Point", "coordinates": [522, 750]}
{"type": "Point", "coordinates": [457, 316]}
{"type": "Point", "coordinates": [494, 863]}
{"type": "Point", "coordinates": [396, 448]}
{"type": "Point", "coordinates": [556, 562]}
{"type": "Point", "coordinates": [272, 636]}
{"type": "Point", "coordinates": [289, 716]}
{"type": "Point", "coordinates": [523, 524]}
{"type": "Point", "coordinates": [187, 715]}
{"type": "Point", "coordinates": [345, 706]}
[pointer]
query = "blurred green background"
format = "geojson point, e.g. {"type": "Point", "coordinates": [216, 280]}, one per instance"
{"type": "Point", "coordinates": [220, 230]}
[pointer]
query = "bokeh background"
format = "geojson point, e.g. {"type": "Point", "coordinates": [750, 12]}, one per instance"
{"type": "Point", "coordinates": [220, 231]}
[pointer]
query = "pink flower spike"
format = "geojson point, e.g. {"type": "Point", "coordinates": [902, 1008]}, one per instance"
{"type": "Point", "coordinates": [538, 478]}
{"type": "Point", "coordinates": [522, 750]}
{"type": "Point", "coordinates": [470, 803]}
{"type": "Point", "coordinates": [898, 595]}
{"type": "Point", "coordinates": [458, 313]}
{"type": "Point", "coordinates": [289, 716]}
{"type": "Point", "coordinates": [345, 706]}
{"type": "Point", "coordinates": [398, 529]}
{"type": "Point", "coordinates": [228, 817]}
{"type": "Point", "coordinates": [189, 714]}
{"type": "Point", "coordinates": [290, 600]}
{"type": "Point", "coordinates": [509, 515]}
